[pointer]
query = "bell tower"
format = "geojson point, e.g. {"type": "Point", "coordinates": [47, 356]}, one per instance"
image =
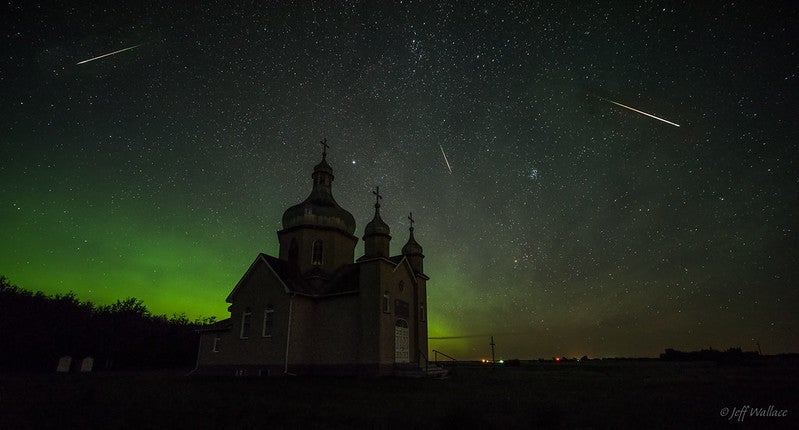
{"type": "Point", "coordinates": [413, 251]}
{"type": "Point", "coordinates": [376, 235]}
{"type": "Point", "coordinates": [317, 234]}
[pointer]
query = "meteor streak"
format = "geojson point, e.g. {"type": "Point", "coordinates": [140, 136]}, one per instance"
{"type": "Point", "coordinates": [641, 112]}
{"type": "Point", "coordinates": [467, 336]}
{"type": "Point", "coordinates": [110, 53]}
{"type": "Point", "coordinates": [445, 159]}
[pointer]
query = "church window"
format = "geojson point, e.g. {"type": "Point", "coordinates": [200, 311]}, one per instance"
{"type": "Point", "coordinates": [401, 285]}
{"type": "Point", "coordinates": [316, 258]}
{"type": "Point", "coordinates": [245, 324]}
{"type": "Point", "coordinates": [422, 314]}
{"type": "Point", "coordinates": [386, 302]}
{"type": "Point", "coordinates": [269, 321]}
{"type": "Point", "coordinates": [216, 344]}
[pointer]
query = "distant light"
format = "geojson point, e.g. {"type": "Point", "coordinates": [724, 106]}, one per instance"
{"type": "Point", "coordinates": [557, 358]}
{"type": "Point", "coordinates": [501, 361]}
{"type": "Point", "coordinates": [353, 161]}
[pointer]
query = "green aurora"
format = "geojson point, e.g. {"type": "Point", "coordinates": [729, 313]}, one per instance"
{"type": "Point", "coordinates": [567, 227]}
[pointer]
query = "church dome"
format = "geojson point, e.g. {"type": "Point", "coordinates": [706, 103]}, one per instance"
{"type": "Point", "coordinates": [377, 226]}
{"type": "Point", "coordinates": [323, 166]}
{"type": "Point", "coordinates": [320, 209]}
{"type": "Point", "coordinates": [412, 247]}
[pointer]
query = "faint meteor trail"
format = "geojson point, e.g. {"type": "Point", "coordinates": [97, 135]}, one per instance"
{"type": "Point", "coordinates": [445, 159]}
{"type": "Point", "coordinates": [110, 53]}
{"type": "Point", "coordinates": [641, 112]}
{"type": "Point", "coordinates": [467, 336]}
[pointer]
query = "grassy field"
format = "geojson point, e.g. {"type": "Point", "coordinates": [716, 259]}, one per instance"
{"type": "Point", "coordinates": [546, 395]}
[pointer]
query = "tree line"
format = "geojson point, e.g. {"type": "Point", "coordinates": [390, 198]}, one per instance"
{"type": "Point", "coordinates": [731, 355]}
{"type": "Point", "coordinates": [37, 329]}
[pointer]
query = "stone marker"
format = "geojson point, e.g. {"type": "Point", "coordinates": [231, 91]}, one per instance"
{"type": "Point", "coordinates": [87, 364]}
{"type": "Point", "coordinates": [64, 363]}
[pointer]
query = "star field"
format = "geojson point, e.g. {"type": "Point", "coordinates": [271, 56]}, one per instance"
{"type": "Point", "coordinates": [568, 226]}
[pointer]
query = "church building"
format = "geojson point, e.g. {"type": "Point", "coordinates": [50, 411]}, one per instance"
{"type": "Point", "coordinates": [315, 308]}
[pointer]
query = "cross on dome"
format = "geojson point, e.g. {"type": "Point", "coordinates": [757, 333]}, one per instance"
{"type": "Point", "coordinates": [376, 192]}
{"type": "Point", "coordinates": [324, 144]}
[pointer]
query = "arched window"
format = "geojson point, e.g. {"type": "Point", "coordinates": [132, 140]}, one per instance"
{"type": "Point", "coordinates": [386, 302]}
{"type": "Point", "coordinates": [245, 324]}
{"type": "Point", "coordinates": [318, 252]}
{"type": "Point", "coordinates": [269, 321]}
{"type": "Point", "coordinates": [401, 344]}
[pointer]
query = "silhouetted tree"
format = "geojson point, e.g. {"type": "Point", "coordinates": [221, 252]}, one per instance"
{"type": "Point", "coordinates": [38, 329]}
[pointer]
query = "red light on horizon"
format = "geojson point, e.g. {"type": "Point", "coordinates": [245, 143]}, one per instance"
{"type": "Point", "coordinates": [557, 358]}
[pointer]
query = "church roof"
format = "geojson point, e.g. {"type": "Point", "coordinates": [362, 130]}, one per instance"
{"type": "Point", "coordinates": [319, 209]}
{"type": "Point", "coordinates": [220, 325]}
{"type": "Point", "coordinates": [377, 226]}
{"type": "Point", "coordinates": [412, 247]}
{"type": "Point", "coordinates": [346, 280]}
{"type": "Point", "coordinates": [343, 281]}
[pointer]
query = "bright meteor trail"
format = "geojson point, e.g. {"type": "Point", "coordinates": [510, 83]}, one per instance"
{"type": "Point", "coordinates": [110, 53]}
{"type": "Point", "coordinates": [643, 113]}
{"type": "Point", "coordinates": [445, 159]}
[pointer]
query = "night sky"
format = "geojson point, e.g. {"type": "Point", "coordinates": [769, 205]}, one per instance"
{"type": "Point", "coordinates": [568, 225]}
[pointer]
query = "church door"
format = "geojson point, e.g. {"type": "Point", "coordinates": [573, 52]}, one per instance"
{"type": "Point", "coordinates": [401, 354]}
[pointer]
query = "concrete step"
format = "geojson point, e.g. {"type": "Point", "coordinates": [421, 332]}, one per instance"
{"type": "Point", "coordinates": [431, 371]}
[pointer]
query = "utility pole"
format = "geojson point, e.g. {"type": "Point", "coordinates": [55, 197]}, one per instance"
{"type": "Point", "coordinates": [493, 361]}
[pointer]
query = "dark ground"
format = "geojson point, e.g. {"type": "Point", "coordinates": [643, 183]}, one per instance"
{"type": "Point", "coordinates": [539, 395]}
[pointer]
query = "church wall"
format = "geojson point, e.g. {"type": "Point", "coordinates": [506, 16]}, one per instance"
{"type": "Point", "coordinates": [303, 333]}
{"type": "Point", "coordinates": [261, 288]}
{"type": "Point", "coordinates": [337, 333]}
{"type": "Point", "coordinates": [205, 355]}
{"type": "Point", "coordinates": [368, 313]}
{"type": "Point", "coordinates": [339, 249]}
{"type": "Point", "coordinates": [421, 300]}
{"type": "Point", "coordinates": [378, 278]}
{"type": "Point", "coordinates": [405, 294]}
{"type": "Point", "coordinates": [338, 330]}
{"type": "Point", "coordinates": [388, 319]}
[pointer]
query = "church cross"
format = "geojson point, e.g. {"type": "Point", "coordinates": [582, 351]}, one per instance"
{"type": "Point", "coordinates": [324, 144]}
{"type": "Point", "coordinates": [376, 192]}
{"type": "Point", "coordinates": [410, 217]}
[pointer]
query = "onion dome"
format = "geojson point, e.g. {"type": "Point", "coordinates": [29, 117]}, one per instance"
{"type": "Point", "coordinates": [411, 247]}
{"type": "Point", "coordinates": [320, 209]}
{"type": "Point", "coordinates": [377, 226]}
{"type": "Point", "coordinates": [323, 166]}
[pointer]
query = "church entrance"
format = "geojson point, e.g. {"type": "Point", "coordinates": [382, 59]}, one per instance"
{"type": "Point", "coordinates": [401, 354]}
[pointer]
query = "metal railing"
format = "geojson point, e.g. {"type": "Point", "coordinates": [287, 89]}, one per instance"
{"type": "Point", "coordinates": [437, 353]}
{"type": "Point", "coordinates": [426, 361]}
